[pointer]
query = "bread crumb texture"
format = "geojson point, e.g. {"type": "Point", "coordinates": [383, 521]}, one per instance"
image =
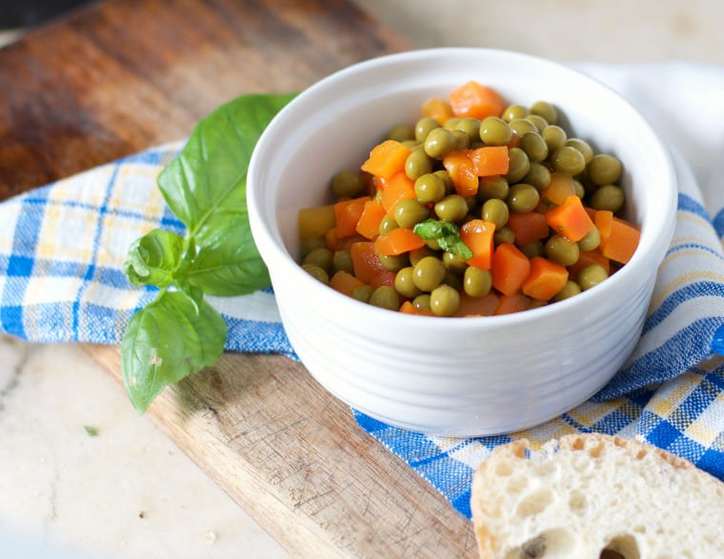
{"type": "Point", "coordinates": [595, 497]}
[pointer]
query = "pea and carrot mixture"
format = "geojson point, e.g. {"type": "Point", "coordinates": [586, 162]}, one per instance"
{"type": "Point", "coordinates": [479, 208]}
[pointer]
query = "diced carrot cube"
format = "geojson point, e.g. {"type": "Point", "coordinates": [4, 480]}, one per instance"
{"type": "Point", "coordinates": [560, 188]}
{"type": "Point", "coordinates": [510, 269]}
{"type": "Point", "coordinates": [475, 100]}
{"type": "Point", "coordinates": [513, 303]}
{"type": "Point", "coordinates": [621, 244]}
{"type": "Point", "coordinates": [439, 109]}
{"type": "Point", "coordinates": [344, 282]}
{"type": "Point", "coordinates": [604, 221]}
{"type": "Point", "coordinates": [478, 306]}
{"type": "Point", "coordinates": [365, 263]}
{"type": "Point", "coordinates": [546, 278]}
{"type": "Point", "coordinates": [462, 173]}
{"type": "Point", "coordinates": [570, 219]}
{"type": "Point", "coordinates": [490, 160]}
{"type": "Point", "coordinates": [399, 187]}
{"type": "Point", "coordinates": [398, 241]}
{"type": "Point", "coordinates": [347, 214]}
{"type": "Point", "coordinates": [478, 236]}
{"type": "Point", "coordinates": [528, 227]}
{"type": "Point", "coordinates": [369, 222]}
{"type": "Point", "coordinates": [331, 240]}
{"type": "Point", "coordinates": [386, 159]}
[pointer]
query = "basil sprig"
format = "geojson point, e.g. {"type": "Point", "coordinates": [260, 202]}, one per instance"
{"type": "Point", "coordinates": [179, 333]}
{"type": "Point", "coordinates": [446, 234]}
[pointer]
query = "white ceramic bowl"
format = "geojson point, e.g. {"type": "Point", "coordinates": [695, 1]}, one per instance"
{"type": "Point", "coordinates": [453, 376]}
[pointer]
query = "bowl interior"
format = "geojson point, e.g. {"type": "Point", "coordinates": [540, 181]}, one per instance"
{"type": "Point", "coordinates": [333, 125]}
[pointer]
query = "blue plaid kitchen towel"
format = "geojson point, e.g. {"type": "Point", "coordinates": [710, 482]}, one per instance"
{"type": "Point", "coordinates": [62, 247]}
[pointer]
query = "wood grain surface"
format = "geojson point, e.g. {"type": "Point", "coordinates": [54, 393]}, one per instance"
{"type": "Point", "coordinates": [124, 75]}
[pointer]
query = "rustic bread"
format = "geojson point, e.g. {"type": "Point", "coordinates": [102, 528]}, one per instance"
{"type": "Point", "coordinates": [592, 496]}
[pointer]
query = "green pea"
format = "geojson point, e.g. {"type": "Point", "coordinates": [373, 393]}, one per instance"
{"type": "Point", "coordinates": [394, 262]}
{"type": "Point", "coordinates": [523, 198]}
{"type": "Point", "coordinates": [439, 142]}
{"type": "Point", "coordinates": [514, 112]}
{"type": "Point", "coordinates": [590, 241]}
{"type": "Point", "coordinates": [477, 282]}
{"type": "Point", "coordinates": [580, 191]}
{"type": "Point", "coordinates": [495, 131]}
{"type": "Point", "coordinates": [432, 244]}
{"type": "Point", "coordinates": [429, 188]}
{"type": "Point", "coordinates": [452, 208]}
{"type": "Point", "coordinates": [518, 166]}
{"type": "Point", "coordinates": [451, 123]}
{"type": "Point", "coordinates": [387, 224]}
{"type": "Point", "coordinates": [460, 140]}
{"type": "Point", "coordinates": [504, 235]}
{"type": "Point", "coordinates": [401, 132]}
{"type": "Point", "coordinates": [569, 290]}
{"type": "Point", "coordinates": [555, 137]}
{"type": "Point", "coordinates": [591, 276]}
{"type": "Point", "coordinates": [321, 257]}
{"type": "Point", "coordinates": [522, 126]}
{"type": "Point", "coordinates": [404, 283]}
{"type": "Point", "coordinates": [347, 184]}
{"type": "Point", "coordinates": [342, 261]}
{"type": "Point", "coordinates": [534, 146]}
{"type": "Point", "coordinates": [444, 301]}
{"type": "Point", "coordinates": [495, 211]}
{"type": "Point", "coordinates": [428, 273]}
{"type": "Point", "coordinates": [546, 110]}
{"type": "Point", "coordinates": [408, 213]}
{"type": "Point", "coordinates": [445, 177]}
{"type": "Point", "coordinates": [493, 187]}
{"type": "Point", "coordinates": [471, 127]}
{"type": "Point", "coordinates": [308, 245]}
{"type": "Point", "coordinates": [539, 121]}
{"type": "Point", "coordinates": [604, 169]}
{"type": "Point", "coordinates": [538, 176]}
{"type": "Point", "coordinates": [569, 160]}
{"type": "Point", "coordinates": [562, 251]}
{"type": "Point", "coordinates": [420, 253]}
{"type": "Point", "coordinates": [531, 250]}
{"type": "Point", "coordinates": [582, 146]}
{"type": "Point", "coordinates": [453, 262]}
{"type": "Point", "coordinates": [417, 164]}
{"type": "Point", "coordinates": [362, 293]}
{"type": "Point", "coordinates": [316, 272]}
{"type": "Point", "coordinates": [422, 302]}
{"type": "Point", "coordinates": [385, 297]}
{"type": "Point", "coordinates": [423, 127]}
{"type": "Point", "coordinates": [608, 197]}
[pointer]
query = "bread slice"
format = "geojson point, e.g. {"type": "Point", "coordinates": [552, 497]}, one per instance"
{"type": "Point", "coordinates": [594, 496]}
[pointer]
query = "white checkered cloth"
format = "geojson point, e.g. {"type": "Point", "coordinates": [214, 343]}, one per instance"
{"type": "Point", "coordinates": [62, 247]}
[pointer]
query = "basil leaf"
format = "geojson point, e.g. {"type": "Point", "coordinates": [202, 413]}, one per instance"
{"type": "Point", "coordinates": [446, 234]}
{"type": "Point", "coordinates": [205, 187]}
{"type": "Point", "coordinates": [171, 338]}
{"type": "Point", "coordinates": [153, 258]}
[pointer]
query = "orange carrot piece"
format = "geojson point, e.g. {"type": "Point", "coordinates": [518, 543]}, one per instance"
{"type": "Point", "coordinates": [604, 221]}
{"type": "Point", "coordinates": [385, 277]}
{"type": "Point", "coordinates": [437, 108]}
{"type": "Point", "coordinates": [587, 258]}
{"type": "Point", "coordinates": [490, 161]}
{"type": "Point", "coordinates": [344, 282]}
{"type": "Point", "coordinates": [478, 306]}
{"type": "Point", "coordinates": [462, 173]}
{"type": "Point", "coordinates": [347, 214]}
{"type": "Point", "coordinates": [510, 269]}
{"type": "Point", "coordinates": [478, 236]}
{"type": "Point", "coordinates": [365, 263]}
{"type": "Point", "coordinates": [369, 222]}
{"type": "Point", "coordinates": [546, 278]}
{"type": "Point", "coordinates": [399, 187]}
{"type": "Point", "coordinates": [570, 219]}
{"type": "Point", "coordinates": [475, 100]}
{"type": "Point", "coordinates": [560, 188]}
{"type": "Point", "coordinates": [386, 159]}
{"type": "Point", "coordinates": [621, 244]}
{"type": "Point", "coordinates": [315, 222]}
{"type": "Point", "coordinates": [397, 241]}
{"type": "Point", "coordinates": [528, 227]}
{"type": "Point", "coordinates": [408, 308]}
{"type": "Point", "coordinates": [513, 303]}
{"type": "Point", "coordinates": [330, 239]}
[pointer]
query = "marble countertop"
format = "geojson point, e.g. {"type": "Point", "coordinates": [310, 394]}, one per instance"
{"type": "Point", "coordinates": [124, 490]}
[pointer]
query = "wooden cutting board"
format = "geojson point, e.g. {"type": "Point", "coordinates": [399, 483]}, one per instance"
{"type": "Point", "coordinates": [124, 75]}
